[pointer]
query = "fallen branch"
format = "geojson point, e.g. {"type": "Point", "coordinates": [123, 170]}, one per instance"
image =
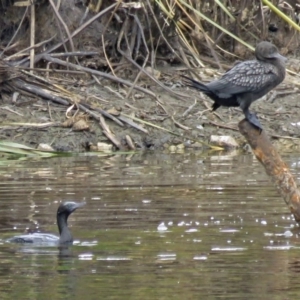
{"type": "Point", "coordinates": [97, 73]}
{"type": "Point", "coordinates": [107, 132]}
{"type": "Point", "coordinates": [132, 123]}
{"type": "Point", "coordinates": [45, 93]}
{"type": "Point", "coordinates": [267, 155]}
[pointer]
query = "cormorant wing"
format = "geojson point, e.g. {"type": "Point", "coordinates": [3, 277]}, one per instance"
{"type": "Point", "coordinates": [245, 77]}
{"type": "Point", "coordinates": [34, 238]}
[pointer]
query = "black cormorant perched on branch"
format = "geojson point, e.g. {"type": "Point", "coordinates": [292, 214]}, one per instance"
{"type": "Point", "coordinates": [246, 82]}
{"type": "Point", "coordinates": [65, 236]}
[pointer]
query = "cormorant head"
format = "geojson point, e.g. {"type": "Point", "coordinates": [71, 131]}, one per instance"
{"type": "Point", "coordinates": [67, 208]}
{"type": "Point", "coordinates": [266, 51]}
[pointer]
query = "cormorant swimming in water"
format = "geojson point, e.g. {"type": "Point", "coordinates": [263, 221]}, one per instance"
{"type": "Point", "coordinates": [246, 82]}
{"type": "Point", "coordinates": [65, 236]}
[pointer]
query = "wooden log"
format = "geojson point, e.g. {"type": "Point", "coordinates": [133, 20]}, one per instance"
{"type": "Point", "coordinates": [280, 174]}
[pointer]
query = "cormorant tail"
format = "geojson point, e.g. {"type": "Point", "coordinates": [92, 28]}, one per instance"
{"type": "Point", "coordinates": [196, 84]}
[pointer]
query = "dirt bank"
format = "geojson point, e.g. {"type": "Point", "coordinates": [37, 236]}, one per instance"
{"type": "Point", "coordinates": [184, 122]}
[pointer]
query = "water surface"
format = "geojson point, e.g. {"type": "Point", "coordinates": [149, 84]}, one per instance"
{"type": "Point", "coordinates": [155, 226]}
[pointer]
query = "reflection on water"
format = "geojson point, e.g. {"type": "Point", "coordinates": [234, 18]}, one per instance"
{"type": "Point", "coordinates": [155, 226]}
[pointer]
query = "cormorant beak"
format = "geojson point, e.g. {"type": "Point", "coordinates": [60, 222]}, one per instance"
{"type": "Point", "coordinates": [283, 58]}
{"type": "Point", "coordinates": [80, 204]}
{"type": "Point", "coordinates": [76, 205]}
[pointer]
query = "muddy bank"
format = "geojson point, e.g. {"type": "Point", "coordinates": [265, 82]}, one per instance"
{"type": "Point", "coordinates": [184, 122]}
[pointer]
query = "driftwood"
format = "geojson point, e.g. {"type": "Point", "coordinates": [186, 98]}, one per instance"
{"type": "Point", "coordinates": [280, 174]}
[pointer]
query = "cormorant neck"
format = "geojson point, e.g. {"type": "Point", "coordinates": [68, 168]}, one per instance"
{"type": "Point", "coordinates": [64, 232]}
{"type": "Point", "coordinates": [280, 64]}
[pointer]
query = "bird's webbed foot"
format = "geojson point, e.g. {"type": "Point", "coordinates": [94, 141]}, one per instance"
{"type": "Point", "coordinates": [252, 118]}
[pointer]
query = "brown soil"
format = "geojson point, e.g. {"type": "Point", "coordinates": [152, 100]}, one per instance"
{"type": "Point", "coordinates": [191, 124]}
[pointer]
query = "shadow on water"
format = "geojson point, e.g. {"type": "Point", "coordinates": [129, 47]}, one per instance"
{"type": "Point", "coordinates": [155, 226]}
